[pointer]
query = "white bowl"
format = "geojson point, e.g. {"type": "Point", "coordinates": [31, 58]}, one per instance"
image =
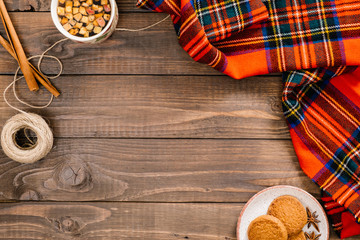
{"type": "Point", "coordinates": [104, 34]}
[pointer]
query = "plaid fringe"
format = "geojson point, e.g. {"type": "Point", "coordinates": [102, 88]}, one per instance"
{"type": "Point", "coordinates": [334, 211]}
{"type": "Point", "coordinates": [343, 223]}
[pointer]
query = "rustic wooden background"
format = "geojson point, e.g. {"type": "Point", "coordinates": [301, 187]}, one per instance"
{"type": "Point", "coordinates": [149, 144]}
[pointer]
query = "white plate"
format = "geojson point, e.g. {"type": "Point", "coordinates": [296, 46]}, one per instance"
{"type": "Point", "coordinates": [260, 202]}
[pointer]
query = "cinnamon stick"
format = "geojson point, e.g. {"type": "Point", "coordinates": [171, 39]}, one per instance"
{"type": "Point", "coordinates": [17, 48]}
{"type": "Point", "coordinates": [39, 76]}
{"type": "Point", "coordinates": [7, 46]}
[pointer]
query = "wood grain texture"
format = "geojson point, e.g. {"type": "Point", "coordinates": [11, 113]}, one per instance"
{"type": "Point", "coordinates": [160, 106]}
{"type": "Point", "coordinates": [44, 5]}
{"type": "Point", "coordinates": [154, 51]}
{"type": "Point", "coordinates": [165, 170]}
{"type": "Point", "coordinates": [97, 221]}
{"type": "Point", "coordinates": [28, 5]}
{"type": "Point", "coordinates": [146, 147]}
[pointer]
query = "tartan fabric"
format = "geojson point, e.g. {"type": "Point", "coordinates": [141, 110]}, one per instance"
{"type": "Point", "coordinates": [316, 43]}
{"type": "Point", "coordinates": [220, 19]}
{"type": "Point", "coordinates": [273, 35]}
{"type": "Point", "coordinates": [322, 108]}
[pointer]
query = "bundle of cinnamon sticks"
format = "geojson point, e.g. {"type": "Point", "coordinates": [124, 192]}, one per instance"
{"type": "Point", "coordinates": [15, 49]}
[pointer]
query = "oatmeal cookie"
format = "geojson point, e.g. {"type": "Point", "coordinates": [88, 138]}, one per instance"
{"type": "Point", "coordinates": [267, 227]}
{"type": "Point", "coordinates": [290, 211]}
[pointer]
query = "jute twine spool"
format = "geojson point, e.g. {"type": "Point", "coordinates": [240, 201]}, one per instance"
{"type": "Point", "coordinates": [36, 151]}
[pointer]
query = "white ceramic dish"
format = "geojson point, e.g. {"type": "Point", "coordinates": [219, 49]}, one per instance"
{"type": "Point", "coordinates": [104, 34]}
{"type": "Point", "coordinates": [260, 202]}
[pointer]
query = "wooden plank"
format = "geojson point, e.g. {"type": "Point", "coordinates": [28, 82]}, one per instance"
{"type": "Point", "coordinates": [147, 221]}
{"type": "Point", "coordinates": [160, 107]}
{"type": "Point", "coordinates": [28, 5]}
{"type": "Point", "coordinates": [44, 5]}
{"type": "Point", "coordinates": [154, 51]}
{"type": "Point", "coordinates": [165, 170]}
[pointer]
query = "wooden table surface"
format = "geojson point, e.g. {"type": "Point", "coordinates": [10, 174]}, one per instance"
{"type": "Point", "coordinates": [148, 143]}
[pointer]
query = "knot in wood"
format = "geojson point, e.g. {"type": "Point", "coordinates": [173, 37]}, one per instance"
{"type": "Point", "coordinates": [69, 225]}
{"type": "Point", "coordinates": [30, 195]}
{"type": "Point", "coordinates": [66, 225]}
{"type": "Point", "coordinates": [73, 175]}
{"type": "Point", "coordinates": [27, 193]}
{"type": "Point", "coordinates": [275, 104]}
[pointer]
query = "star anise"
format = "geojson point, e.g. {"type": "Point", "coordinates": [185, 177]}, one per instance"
{"type": "Point", "coordinates": [312, 236]}
{"type": "Point", "coordinates": [312, 219]}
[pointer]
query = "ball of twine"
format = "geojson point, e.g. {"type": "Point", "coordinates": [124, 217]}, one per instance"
{"type": "Point", "coordinates": [34, 123]}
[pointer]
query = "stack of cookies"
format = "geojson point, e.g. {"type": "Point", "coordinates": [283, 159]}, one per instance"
{"type": "Point", "coordinates": [285, 219]}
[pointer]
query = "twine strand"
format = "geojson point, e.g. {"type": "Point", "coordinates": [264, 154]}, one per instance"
{"type": "Point", "coordinates": [16, 78]}
{"type": "Point", "coordinates": [28, 121]}
{"type": "Point", "coordinates": [41, 58]}
{"type": "Point", "coordinates": [144, 28]}
{"type": "Point", "coordinates": [34, 151]}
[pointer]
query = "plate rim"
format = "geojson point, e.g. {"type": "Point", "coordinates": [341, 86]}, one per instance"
{"type": "Point", "coordinates": [274, 187]}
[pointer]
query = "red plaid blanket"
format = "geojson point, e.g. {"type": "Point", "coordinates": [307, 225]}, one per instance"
{"type": "Point", "coordinates": [321, 104]}
{"type": "Point", "coordinates": [244, 38]}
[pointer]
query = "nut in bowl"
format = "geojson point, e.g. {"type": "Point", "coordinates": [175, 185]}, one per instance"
{"type": "Point", "coordinates": [85, 21]}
